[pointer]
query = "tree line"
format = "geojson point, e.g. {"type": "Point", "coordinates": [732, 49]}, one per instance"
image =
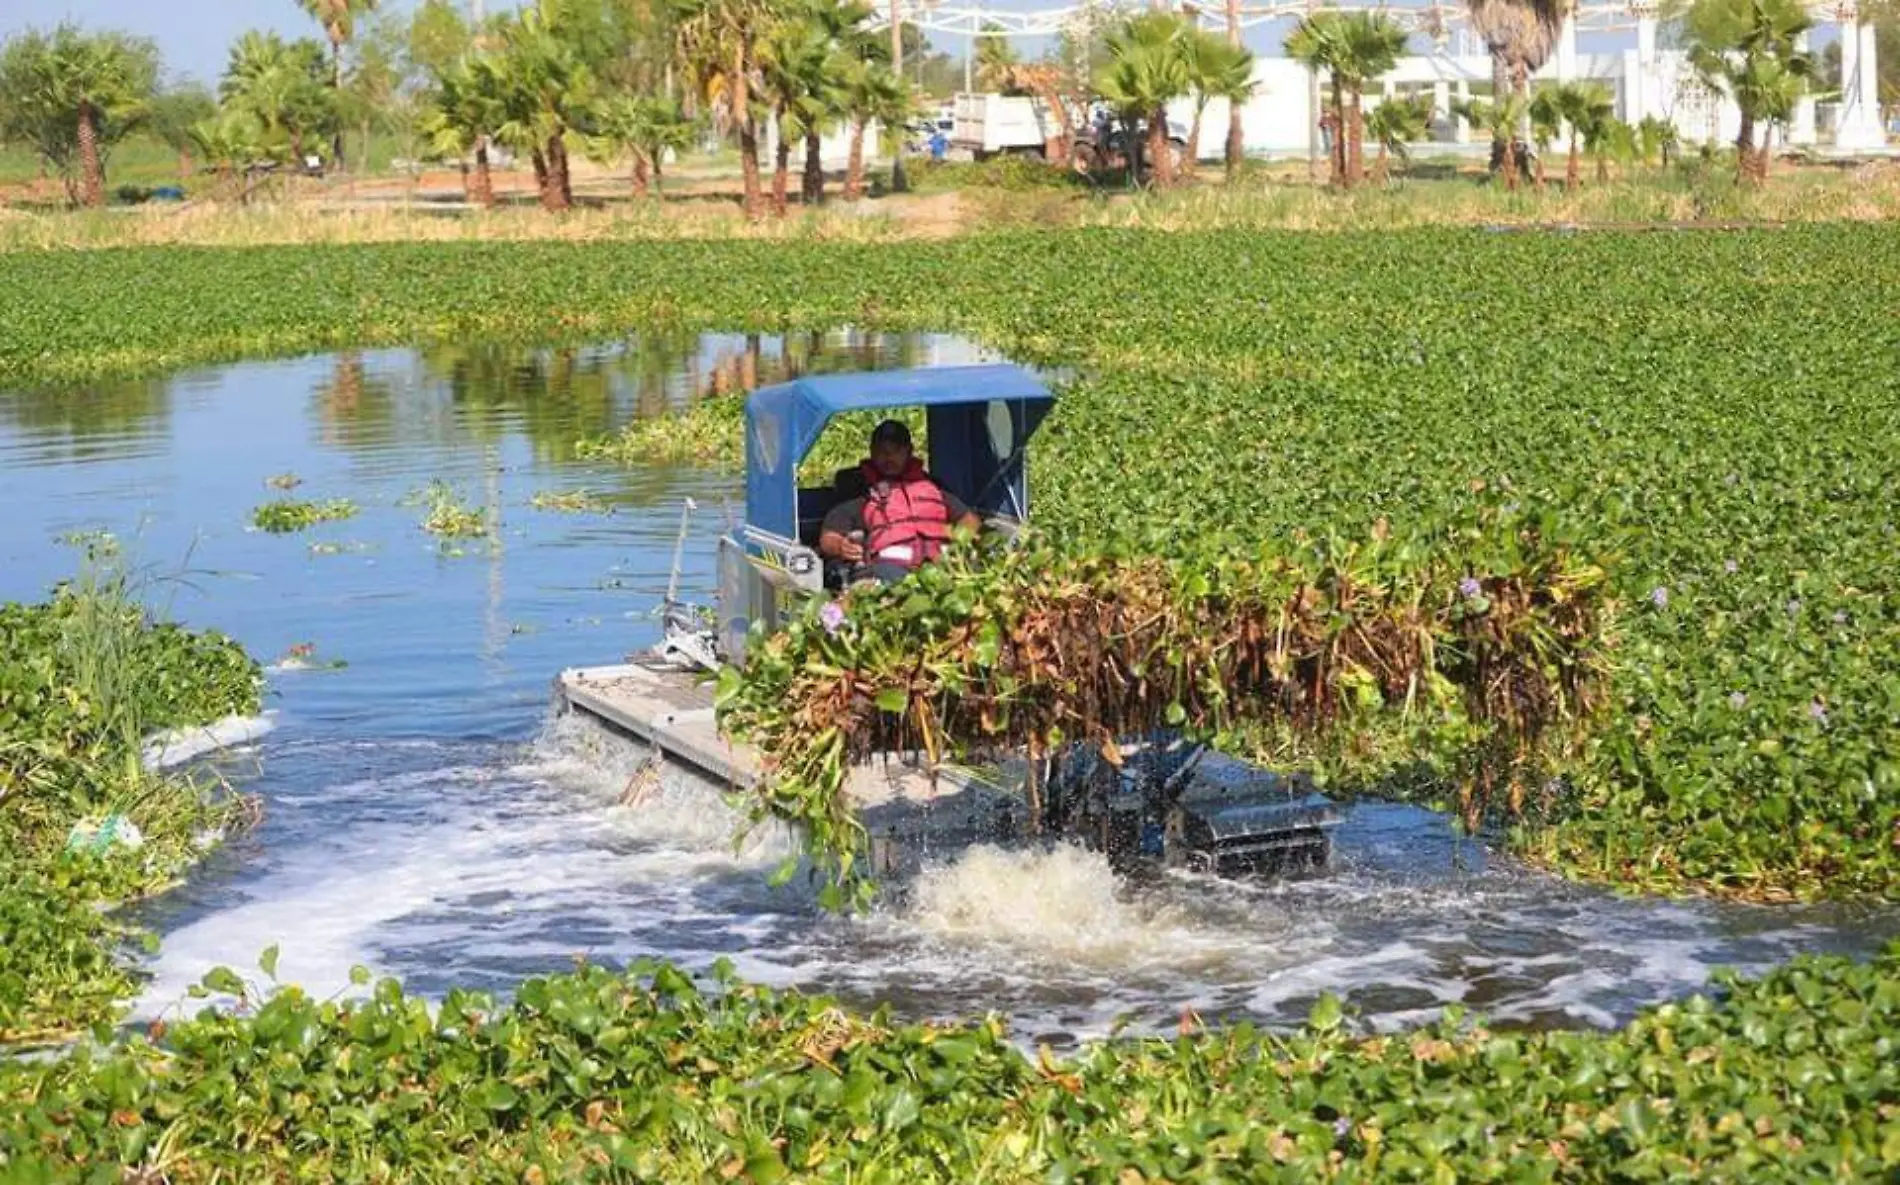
{"type": "Point", "coordinates": [635, 81]}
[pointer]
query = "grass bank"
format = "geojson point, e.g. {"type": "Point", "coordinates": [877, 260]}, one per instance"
{"type": "Point", "coordinates": [953, 200]}
{"type": "Point", "coordinates": [1719, 407]}
{"type": "Point", "coordinates": [85, 677]}
{"type": "Point", "coordinates": [649, 1076]}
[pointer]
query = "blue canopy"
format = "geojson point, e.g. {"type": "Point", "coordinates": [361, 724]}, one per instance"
{"type": "Point", "coordinates": [978, 420]}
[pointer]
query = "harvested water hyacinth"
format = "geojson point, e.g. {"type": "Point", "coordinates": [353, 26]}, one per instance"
{"type": "Point", "coordinates": [1322, 650]}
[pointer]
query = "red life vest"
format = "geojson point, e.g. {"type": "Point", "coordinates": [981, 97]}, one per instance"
{"type": "Point", "coordinates": [905, 511]}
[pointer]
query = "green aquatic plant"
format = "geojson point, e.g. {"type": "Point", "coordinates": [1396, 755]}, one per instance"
{"type": "Point", "coordinates": [652, 1075]}
{"type": "Point", "coordinates": [1482, 648]}
{"type": "Point", "coordinates": [448, 517]}
{"type": "Point", "coordinates": [289, 514]}
{"type": "Point", "coordinates": [1719, 390]}
{"type": "Point", "coordinates": [569, 502]}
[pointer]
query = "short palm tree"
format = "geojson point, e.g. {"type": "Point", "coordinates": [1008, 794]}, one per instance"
{"type": "Point", "coordinates": [1395, 125]}
{"type": "Point", "coordinates": [1655, 140]}
{"type": "Point", "coordinates": [1501, 118]}
{"type": "Point", "coordinates": [74, 95]}
{"type": "Point", "coordinates": [1748, 50]}
{"type": "Point", "coordinates": [1217, 70]}
{"type": "Point", "coordinates": [641, 129]}
{"type": "Point", "coordinates": [1586, 107]}
{"type": "Point", "coordinates": [1354, 48]}
{"type": "Point", "coordinates": [463, 116]}
{"type": "Point", "coordinates": [718, 43]}
{"type": "Point", "coordinates": [1547, 123]}
{"type": "Point", "coordinates": [873, 93]}
{"type": "Point", "coordinates": [794, 65]}
{"type": "Point", "coordinates": [1147, 70]}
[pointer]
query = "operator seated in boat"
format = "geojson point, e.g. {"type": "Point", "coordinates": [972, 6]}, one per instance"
{"type": "Point", "coordinates": [902, 519]}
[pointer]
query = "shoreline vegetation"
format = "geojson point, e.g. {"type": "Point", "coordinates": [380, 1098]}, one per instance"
{"type": "Point", "coordinates": [956, 200]}
{"type": "Point", "coordinates": [649, 1075]}
{"type": "Point", "coordinates": [86, 676]}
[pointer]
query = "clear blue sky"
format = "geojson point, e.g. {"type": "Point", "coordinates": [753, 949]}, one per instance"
{"type": "Point", "coordinates": [193, 34]}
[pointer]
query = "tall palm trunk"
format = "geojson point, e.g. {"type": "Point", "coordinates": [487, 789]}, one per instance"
{"type": "Point", "coordinates": [185, 164]}
{"type": "Point", "coordinates": [562, 173]}
{"type": "Point", "coordinates": [336, 92]}
{"type": "Point", "coordinates": [781, 167]}
{"type": "Point", "coordinates": [92, 171]}
{"type": "Point", "coordinates": [1355, 139]}
{"type": "Point", "coordinates": [1745, 148]}
{"type": "Point", "coordinates": [812, 188]}
{"type": "Point", "coordinates": [748, 129]}
{"type": "Point", "coordinates": [551, 167]}
{"type": "Point", "coordinates": [484, 191]}
{"type": "Point", "coordinates": [544, 179]}
{"type": "Point", "coordinates": [639, 175]}
{"type": "Point", "coordinates": [1236, 140]}
{"type": "Point", "coordinates": [1572, 174]}
{"type": "Point", "coordinates": [1192, 157]}
{"type": "Point", "coordinates": [1339, 132]}
{"type": "Point", "coordinates": [854, 168]}
{"type": "Point", "coordinates": [1381, 166]}
{"type": "Point", "coordinates": [1163, 160]}
{"type": "Point", "coordinates": [659, 190]}
{"type": "Point", "coordinates": [1236, 144]}
{"type": "Point", "coordinates": [1537, 170]}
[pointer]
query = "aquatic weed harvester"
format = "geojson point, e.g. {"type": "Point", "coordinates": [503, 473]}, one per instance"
{"type": "Point", "coordinates": [1154, 798]}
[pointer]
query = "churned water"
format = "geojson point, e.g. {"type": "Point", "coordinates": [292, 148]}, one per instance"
{"type": "Point", "coordinates": [425, 818]}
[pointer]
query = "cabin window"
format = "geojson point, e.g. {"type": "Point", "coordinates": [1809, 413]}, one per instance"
{"type": "Point", "coordinates": [1002, 429]}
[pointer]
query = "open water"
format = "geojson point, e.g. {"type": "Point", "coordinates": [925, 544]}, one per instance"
{"type": "Point", "coordinates": [423, 818]}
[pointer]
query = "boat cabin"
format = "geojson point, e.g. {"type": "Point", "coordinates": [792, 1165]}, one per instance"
{"type": "Point", "coordinates": [977, 424]}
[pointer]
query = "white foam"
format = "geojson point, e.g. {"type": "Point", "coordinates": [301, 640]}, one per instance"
{"type": "Point", "coordinates": [176, 746]}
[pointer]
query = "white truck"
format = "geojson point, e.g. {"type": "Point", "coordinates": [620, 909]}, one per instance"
{"type": "Point", "coordinates": [987, 125]}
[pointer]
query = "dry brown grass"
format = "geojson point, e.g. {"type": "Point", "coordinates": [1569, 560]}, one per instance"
{"type": "Point", "coordinates": [1268, 197]}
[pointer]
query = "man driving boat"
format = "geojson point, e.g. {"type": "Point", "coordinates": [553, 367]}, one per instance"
{"type": "Point", "coordinates": [902, 520]}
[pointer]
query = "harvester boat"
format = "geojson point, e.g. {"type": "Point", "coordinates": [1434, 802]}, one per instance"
{"type": "Point", "coordinates": [1169, 802]}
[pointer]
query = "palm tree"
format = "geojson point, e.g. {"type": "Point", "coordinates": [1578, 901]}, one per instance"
{"type": "Point", "coordinates": [1355, 48]}
{"type": "Point", "coordinates": [1394, 125]}
{"type": "Point", "coordinates": [1217, 69]}
{"type": "Point", "coordinates": [794, 62]}
{"type": "Point", "coordinates": [1588, 109]}
{"type": "Point", "coordinates": [1520, 35]}
{"type": "Point", "coordinates": [280, 82]}
{"type": "Point", "coordinates": [1547, 123]}
{"type": "Point", "coordinates": [1606, 138]}
{"type": "Point", "coordinates": [338, 18]}
{"type": "Point", "coordinates": [1655, 138]}
{"type": "Point", "coordinates": [1501, 118]}
{"type": "Point", "coordinates": [872, 94]}
{"type": "Point", "coordinates": [232, 141]}
{"type": "Point", "coordinates": [1236, 141]}
{"type": "Point", "coordinates": [73, 95]}
{"type": "Point", "coordinates": [1147, 70]}
{"type": "Point", "coordinates": [844, 24]}
{"type": "Point", "coordinates": [1746, 50]}
{"type": "Point", "coordinates": [463, 116]}
{"type": "Point", "coordinates": [641, 128]}
{"type": "Point", "coordinates": [546, 88]}
{"type": "Point", "coordinates": [718, 41]}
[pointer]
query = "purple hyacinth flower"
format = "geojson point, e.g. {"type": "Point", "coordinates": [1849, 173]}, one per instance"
{"type": "Point", "coordinates": [1793, 606]}
{"type": "Point", "coordinates": [1659, 597]}
{"type": "Point", "coordinates": [1730, 566]}
{"type": "Point", "coordinates": [1840, 617]}
{"type": "Point", "coordinates": [1817, 711]}
{"type": "Point", "coordinates": [1738, 700]}
{"type": "Point", "coordinates": [832, 617]}
{"type": "Point", "coordinates": [1469, 587]}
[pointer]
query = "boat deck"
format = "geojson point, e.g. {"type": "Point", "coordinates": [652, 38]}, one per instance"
{"type": "Point", "coordinates": [672, 711]}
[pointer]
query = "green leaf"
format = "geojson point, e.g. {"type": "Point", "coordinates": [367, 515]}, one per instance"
{"type": "Point", "coordinates": [223, 980]}
{"type": "Point", "coordinates": [267, 962]}
{"type": "Point", "coordinates": [893, 699]}
{"type": "Point", "coordinates": [1326, 1014]}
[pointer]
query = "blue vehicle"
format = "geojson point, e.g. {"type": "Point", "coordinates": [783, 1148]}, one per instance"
{"type": "Point", "coordinates": [1168, 801]}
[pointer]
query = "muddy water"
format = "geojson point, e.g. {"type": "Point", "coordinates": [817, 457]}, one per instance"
{"type": "Point", "coordinates": [424, 818]}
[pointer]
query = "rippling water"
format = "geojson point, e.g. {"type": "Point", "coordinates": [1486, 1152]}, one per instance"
{"type": "Point", "coordinates": [424, 818]}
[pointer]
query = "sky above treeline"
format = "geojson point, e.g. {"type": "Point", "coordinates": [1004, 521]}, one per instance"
{"type": "Point", "coordinates": [196, 35]}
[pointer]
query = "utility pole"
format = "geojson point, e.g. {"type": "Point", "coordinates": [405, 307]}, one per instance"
{"type": "Point", "coordinates": [898, 182]}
